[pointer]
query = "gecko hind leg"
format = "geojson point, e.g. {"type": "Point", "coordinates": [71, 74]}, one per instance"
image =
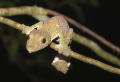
{"type": "Point", "coordinates": [62, 50]}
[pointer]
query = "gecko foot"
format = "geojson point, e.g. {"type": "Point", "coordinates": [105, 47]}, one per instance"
{"type": "Point", "coordinates": [64, 51]}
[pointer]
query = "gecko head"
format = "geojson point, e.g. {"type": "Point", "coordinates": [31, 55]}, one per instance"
{"type": "Point", "coordinates": [37, 40]}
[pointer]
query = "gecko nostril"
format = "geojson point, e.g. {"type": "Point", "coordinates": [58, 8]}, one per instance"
{"type": "Point", "coordinates": [43, 40]}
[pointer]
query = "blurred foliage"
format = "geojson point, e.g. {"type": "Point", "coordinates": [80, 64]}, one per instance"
{"type": "Point", "coordinates": [14, 41]}
{"type": "Point", "coordinates": [8, 3]}
{"type": "Point", "coordinates": [77, 7]}
{"type": "Point", "coordinates": [92, 3]}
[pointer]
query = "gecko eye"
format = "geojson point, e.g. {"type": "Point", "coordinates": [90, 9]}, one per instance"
{"type": "Point", "coordinates": [43, 40]}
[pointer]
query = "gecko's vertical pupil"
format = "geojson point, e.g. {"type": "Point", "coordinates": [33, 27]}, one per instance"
{"type": "Point", "coordinates": [43, 40]}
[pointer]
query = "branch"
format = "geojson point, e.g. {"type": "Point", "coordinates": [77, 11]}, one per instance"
{"type": "Point", "coordinates": [85, 29]}
{"type": "Point", "coordinates": [78, 38]}
{"type": "Point", "coordinates": [36, 11]}
{"type": "Point", "coordinates": [12, 23]}
{"type": "Point", "coordinates": [29, 10]}
{"type": "Point", "coordinates": [91, 61]}
{"type": "Point", "coordinates": [96, 48]}
{"type": "Point", "coordinates": [93, 46]}
{"type": "Point", "coordinates": [73, 54]}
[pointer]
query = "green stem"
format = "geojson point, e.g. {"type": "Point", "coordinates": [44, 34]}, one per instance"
{"type": "Point", "coordinates": [91, 61]}
{"type": "Point", "coordinates": [34, 10]}
{"type": "Point", "coordinates": [95, 63]}
{"type": "Point", "coordinates": [93, 46]}
{"type": "Point", "coordinates": [12, 23]}
{"type": "Point", "coordinates": [96, 48]}
{"type": "Point", "coordinates": [37, 11]}
{"type": "Point", "coordinates": [86, 30]}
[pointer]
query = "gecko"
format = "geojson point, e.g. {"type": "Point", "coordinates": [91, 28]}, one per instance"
{"type": "Point", "coordinates": [55, 29]}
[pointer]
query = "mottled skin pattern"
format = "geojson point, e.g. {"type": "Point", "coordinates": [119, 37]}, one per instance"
{"type": "Point", "coordinates": [41, 35]}
{"type": "Point", "coordinates": [37, 40]}
{"type": "Point", "coordinates": [54, 27]}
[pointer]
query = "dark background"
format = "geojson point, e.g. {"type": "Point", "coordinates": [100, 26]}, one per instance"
{"type": "Point", "coordinates": [103, 20]}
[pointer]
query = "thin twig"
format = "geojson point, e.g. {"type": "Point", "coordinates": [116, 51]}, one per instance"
{"type": "Point", "coordinates": [12, 23]}
{"type": "Point", "coordinates": [72, 54]}
{"type": "Point", "coordinates": [34, 10]}
{"type": "Point", "coordinates": [85, 29]}
{"type": "Point", "coordinates": [96, 48]}
{"type": "Point", "coordinates": [29, 10]}
{"type": "Point", "coordinates": [91, 61]}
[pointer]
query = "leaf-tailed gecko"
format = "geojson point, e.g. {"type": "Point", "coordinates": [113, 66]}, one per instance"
{"type": "Point", "coordinates": [56, 30]}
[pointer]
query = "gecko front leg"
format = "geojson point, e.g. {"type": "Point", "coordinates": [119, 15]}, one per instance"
{"type": "Point", "coordinates": [27, 30]}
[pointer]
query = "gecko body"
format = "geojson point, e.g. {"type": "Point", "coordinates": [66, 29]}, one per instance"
{"type": "Point", "coordinates": [56, 28]}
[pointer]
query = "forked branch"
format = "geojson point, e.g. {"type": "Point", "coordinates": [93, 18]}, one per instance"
{"type": "Point", "coordinates": [4, 12]}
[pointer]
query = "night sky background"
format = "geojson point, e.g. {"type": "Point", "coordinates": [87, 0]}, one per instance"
{"type": "Point", "coordinates": [104, 20]}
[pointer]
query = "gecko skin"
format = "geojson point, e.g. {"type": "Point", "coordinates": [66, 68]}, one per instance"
{"type": "Point", "coordinates": [55, 28]}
